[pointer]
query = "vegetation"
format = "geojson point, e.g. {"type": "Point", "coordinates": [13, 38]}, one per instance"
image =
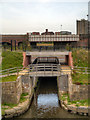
{"type": "Point", "coordinates": [9, 105]}
{"type": "Point", "coordinates": [3, 112]}
{"type": "Point", "coordinates": [80, 78]}
{"type": "Point", "coordinates": [23, 98]}
{"type": "Point", "coordinates": [76, 103]}
{"type": "Point", "coordinates": [11, 59]}
{"type": "Point", "coordinates": [9, 78]}
{"type": "Point", "coordinates": [80, 57]}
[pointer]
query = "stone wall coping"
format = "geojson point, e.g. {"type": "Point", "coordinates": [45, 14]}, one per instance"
{"type": "Point", "coordinates": [80, 84]}
{"type": "Point", "coordinates": [18, 110]}
{"type": "Point", "coordinates": [75, 109]}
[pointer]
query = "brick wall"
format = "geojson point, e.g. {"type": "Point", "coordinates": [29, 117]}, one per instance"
{"type": "Point", "coordinates": [83, 43]}
{"type": "Point", "coordinates": [26, 60]}
{"type": "Point", "coordinates": [18, 38]}
{"type": "Point", "coordinates": [70, 60]}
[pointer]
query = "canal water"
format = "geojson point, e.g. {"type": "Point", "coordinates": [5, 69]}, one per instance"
{"type": "Point", "coordinates": [45, 103]}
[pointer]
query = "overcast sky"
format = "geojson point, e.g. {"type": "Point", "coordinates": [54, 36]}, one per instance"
{"type": "Point", "coordinates": [22, 16]}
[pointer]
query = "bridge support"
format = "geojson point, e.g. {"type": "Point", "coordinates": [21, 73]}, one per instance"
{"type": "Point", "coordinates": [62, 82]}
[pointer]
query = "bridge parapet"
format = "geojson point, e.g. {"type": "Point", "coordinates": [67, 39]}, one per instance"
{"type": "Point", "coordinates": [44, 69]}
{"type": "Point", "coordinates": [47, 38]}
{"type": "Point", "coordinates": [48, 70]}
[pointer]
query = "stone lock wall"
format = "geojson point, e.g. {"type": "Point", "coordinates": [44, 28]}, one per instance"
{"type": "Point", "coordinates": [26, 84]}
{"type": "Point", "coordinates": [11, 91]}
{"type": "Point", "coordinates": [63, 83]}
{"type": "Point", "coordinates": [79, 92]}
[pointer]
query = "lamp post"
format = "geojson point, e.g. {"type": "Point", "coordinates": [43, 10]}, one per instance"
{"type": "Point", "coordinates": [88, 31]}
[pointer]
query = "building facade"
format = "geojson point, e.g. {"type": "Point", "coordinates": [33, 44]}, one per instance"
{"type": "Point", "coordinates": [89, 10]}
{"type": "Point", "coordinates": [83, 27]}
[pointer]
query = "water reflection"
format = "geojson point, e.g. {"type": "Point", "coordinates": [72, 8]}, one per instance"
{"type": "Point", "coordinates": [47, 100]}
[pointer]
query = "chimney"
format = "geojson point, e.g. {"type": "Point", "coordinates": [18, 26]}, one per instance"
{"type": "Point", "coordinates": [46, 30]}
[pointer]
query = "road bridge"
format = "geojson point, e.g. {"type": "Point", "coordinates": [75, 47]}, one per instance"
{"type": "Point", "coordinates": [64, 57]}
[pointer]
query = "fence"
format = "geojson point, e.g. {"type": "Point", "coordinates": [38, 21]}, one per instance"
{"type": "Point", "coordinates": [35, 68]}
{"type": "Point", "coordinates": [83, 70]}
{"type": "Point", "coordinates": [50, 48]}
{"type": "Point", "coordinates": [11, 71]}
{"type": "Point", "coordinates": [44, 67]}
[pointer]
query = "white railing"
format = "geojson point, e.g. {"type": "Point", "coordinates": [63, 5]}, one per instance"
{"type": "Point", "coordinates": [53, 38]}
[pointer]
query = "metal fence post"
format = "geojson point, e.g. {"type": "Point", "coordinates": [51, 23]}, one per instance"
{"type": "Point", "coordinates": [8, 72]}
{"type": "Point", "coordinates": [17, 70]}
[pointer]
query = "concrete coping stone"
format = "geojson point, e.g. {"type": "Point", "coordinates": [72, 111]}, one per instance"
{"type": "Point", "coordinates": [74, 109]}
{"type": "Point", "coordinates": [17, 110]}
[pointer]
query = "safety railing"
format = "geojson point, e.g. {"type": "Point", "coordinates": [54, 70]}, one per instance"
{"type": "Point", "coordinates": [83, 70]}
{"type": "Point", "coordinates": [10, 71]}
{"type": "Point", "coordinates": [44, 67]}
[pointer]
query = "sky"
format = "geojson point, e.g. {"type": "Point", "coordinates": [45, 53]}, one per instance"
{"type": "Point", "coordinates": [22, 16]}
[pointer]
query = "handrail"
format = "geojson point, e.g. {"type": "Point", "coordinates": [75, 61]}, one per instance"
{"type": "Point", "coordinates": [11, 71]}
{"type": "Point", "coordinates": [43, 67]}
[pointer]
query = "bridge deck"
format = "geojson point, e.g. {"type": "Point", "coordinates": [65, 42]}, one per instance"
{"type": "Point", "coordinates": [49, 53]}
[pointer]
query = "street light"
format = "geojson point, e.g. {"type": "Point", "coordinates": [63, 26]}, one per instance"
{"type": "Point", "coordinates": [88, 30]}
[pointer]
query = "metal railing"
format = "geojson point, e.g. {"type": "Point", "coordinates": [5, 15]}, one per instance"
{"type": "Point", "coordinates": [57, 47]}
{"type": "Point", "coordinates": [44, 67]}
{"type": "Point", "coordinates": [10, 71]}
{"type": "Point", "coordinates": [83, 70]}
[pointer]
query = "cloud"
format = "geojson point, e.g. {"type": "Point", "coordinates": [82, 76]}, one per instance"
{"type": "Point", "coordinates": [29, 16]}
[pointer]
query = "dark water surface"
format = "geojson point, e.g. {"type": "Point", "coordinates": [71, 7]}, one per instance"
{"type": "Point", "coordinates": [45, 103]}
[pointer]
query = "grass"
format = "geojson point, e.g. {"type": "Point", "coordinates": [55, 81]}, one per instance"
{"type": "Point", "coordinates": [9, 78]}
{"type": "Point", "coordinates": [11, 59]}
{"type": "Point", "coordinates": [9, 105]}
{"type": "Point", "coordinates": [6, 107]}
{"type": "Point", "coordinates": [23, 98]}
{"type": "Point", "coordinates": [76, 103]}
{"type": "Point", "coordinates": [3, 111]}
{"type": "Point", "coordinates": [80, 57]}
{"type": "Point", "coordinates": [80, 78]}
